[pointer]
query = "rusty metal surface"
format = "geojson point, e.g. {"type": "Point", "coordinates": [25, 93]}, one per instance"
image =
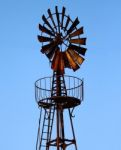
{"type": "Point", "coordinates": [44, 39]}
{"type": "Point", "coordinates": [51, 52]}
{"type": "Point", "coordinates": [73, 26]}
{"type": "Point", "coordinates": [66, 61]}
{"type": "Point", "coordinates": [78, 49]}
{"type": "Point", "coordinates": [77, 32]}
{"type": "Point", "coordinates": [76, 56]}
{"type": "Point", "coordinates": [53, 104]}
{"type": "Point", "coordinates": [55, 62]}
{"type": "Point", "coordinates": [51, 17]}
{"type": "Point", "coordinates": [43, 88]}
{"type": "Point", "coordinates": [67, 23]}
{"type": "Point", "coordinates": [61, 43]}
{"type": "Point", "coordinates": [57, 15]}
{"type": "Point", "coordinates": [60, 33]}
{"type": "Point", "coordinates": [44, 29]}
{"type": "Point", "coordinates": [63, 14]}
{"type": "Point", "coordinates": [62, 65]}
{"type": "Point", "coordinates": [47, 22]}
{"type": "Point", "coordinates": [46, 47]}
{"type": "Point", "coordinates": [81, 41]}
{"type": "Point", "coordinates": [72, 63]}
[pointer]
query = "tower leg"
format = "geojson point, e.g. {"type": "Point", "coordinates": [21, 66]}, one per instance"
{"type": "Point", "coordinates": [58, 135]}
{"type": "Point", "coordinates": [70, 116]}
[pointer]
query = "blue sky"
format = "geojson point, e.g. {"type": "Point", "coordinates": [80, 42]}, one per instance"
{"type": "Point", "coordinates": [98, 119]}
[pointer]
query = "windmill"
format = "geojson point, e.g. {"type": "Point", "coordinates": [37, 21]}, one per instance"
{"type": "Point", "coordinates": [64, 47]}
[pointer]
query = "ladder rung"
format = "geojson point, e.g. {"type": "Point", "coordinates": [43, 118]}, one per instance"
{"type": "Point", "coordinates": [44, 132]}
{"type": "Point", "coordinates": [46, 118]}
{"type": "Point", "coordinates": [44, 139]}
{"type": "Point", "coordinates": [51, 112]}
{"type": "Point", "coordinates": [45, 125]}
{"type": "Point", "coordinates": [49, 116]}
{"type": "Point", "coordinates": [43, 145]}
{"type": "Point", "coordinates": [48, 126]}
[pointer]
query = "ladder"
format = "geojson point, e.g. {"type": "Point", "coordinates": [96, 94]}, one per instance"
{"type": "Point", "coordinates": [46, 130]}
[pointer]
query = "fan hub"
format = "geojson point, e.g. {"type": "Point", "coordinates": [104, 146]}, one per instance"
{"type": "Point", "coordinates": [59, 38]}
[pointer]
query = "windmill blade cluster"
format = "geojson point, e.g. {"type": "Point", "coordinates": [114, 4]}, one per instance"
{"type": "Point", "coordinates": [61, 41]}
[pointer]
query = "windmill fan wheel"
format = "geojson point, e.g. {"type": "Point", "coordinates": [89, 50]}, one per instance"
{"type": "Point", "coordinates": [61, 41]}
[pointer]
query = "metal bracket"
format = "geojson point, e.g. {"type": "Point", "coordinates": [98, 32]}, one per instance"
{"type": "Point", "coordinates": [71, 113]}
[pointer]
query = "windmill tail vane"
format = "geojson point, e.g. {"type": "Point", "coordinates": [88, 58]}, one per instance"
{"type": "Point", "coordinates": [64, 46]}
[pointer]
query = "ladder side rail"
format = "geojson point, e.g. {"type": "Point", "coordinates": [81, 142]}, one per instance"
{"type": "Point", "coordinates": [43, 130]}
{"type": "Point", "coordinates": [38, 133]}
{"type": "Point", "coordinates": [53, 113]}
{"type": "Point", "coordinates": [50, 125]}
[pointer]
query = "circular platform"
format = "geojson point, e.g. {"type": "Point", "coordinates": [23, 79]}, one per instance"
{"type": "Point", "coordinates": [72, 98]}
{"type": "Point", "coordinates": [62, 101]}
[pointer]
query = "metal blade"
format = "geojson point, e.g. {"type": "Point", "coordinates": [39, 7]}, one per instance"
{"type": "Point", "coordinates": [57, 15]}
{"type": "Point", "coordinates": [51, 17]}
{"type": "Point", "coordinates": [77, 32]}
{"type": "Point", "coordinates": [75, 23]}
{"type": "Point", "coordinates": [76, 56]}
{"type": "Point", "coordinates": [66, 62]}
{"type": "Point", "coordinates": [61, 64]}
{"type": "Point", "coordinates": [73, 64]}
{"type": "Point", "coordinates": [67, 23]}
{"type": "Point", "coordinates": [55, 61]}
{"type": "Point", "coordinates": [78, 49]}
{"type": "Point", "coordinates": [63, 14]}
{"type": "Point", "coordinates": [51, 52]}
{"type": "Point", "coordinates": [45, 48]}
{"type": "Point", "coordinates": [44, 39]}
{"type": "Point", "coordinates": [46, 22]}
{"type": "Point", "coordinates": [81, 41]}
{"type": "Point", "coordinates": [44, 29]}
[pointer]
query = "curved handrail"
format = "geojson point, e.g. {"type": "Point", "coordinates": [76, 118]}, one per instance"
{"type": "Point", "coordinates": [74, 87]}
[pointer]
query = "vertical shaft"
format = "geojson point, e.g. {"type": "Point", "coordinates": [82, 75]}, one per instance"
{"type": "Point", "coordinates": [62, 128]}
{"type": "Point", "coordinates": [60, 123]}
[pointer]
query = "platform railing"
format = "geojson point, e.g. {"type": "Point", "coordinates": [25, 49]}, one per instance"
{"type": "Point", "coordinates": [74, 87]}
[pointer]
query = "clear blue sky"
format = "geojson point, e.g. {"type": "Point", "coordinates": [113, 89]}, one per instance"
{"type": "Point", "coordinates": [98, 119]}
